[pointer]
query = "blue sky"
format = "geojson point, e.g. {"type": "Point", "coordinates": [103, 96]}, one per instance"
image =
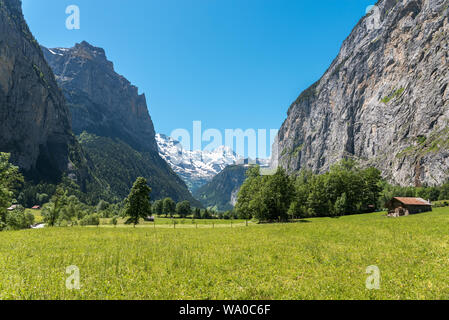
{"type": "Point", "coordinates": [228, 63]}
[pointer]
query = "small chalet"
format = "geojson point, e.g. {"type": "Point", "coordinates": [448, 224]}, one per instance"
{"type": "Point", "coordinates": [36, 208]}
{"type": "Point", "coordinates": [398, 206]}
{"type": "Point", "coordinates": [12, 208]}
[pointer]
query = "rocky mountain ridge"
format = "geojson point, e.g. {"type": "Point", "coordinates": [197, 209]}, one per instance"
{"type": "Point", "coordinates": [113, 122]}
{"type": "Point", "coordinates": [101, 101]}
{"type": "Point", "coordinates": [198, 167]}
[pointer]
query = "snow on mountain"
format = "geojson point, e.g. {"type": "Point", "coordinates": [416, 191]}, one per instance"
{"type": "Point", "coordinates": [196, 168]}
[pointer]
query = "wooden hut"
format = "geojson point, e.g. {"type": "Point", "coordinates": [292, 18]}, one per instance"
{"type": "Point", "coordinates": [399, 206]}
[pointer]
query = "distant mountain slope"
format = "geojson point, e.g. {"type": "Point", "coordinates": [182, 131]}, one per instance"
{"type": "Point", "coordinates": [105, 105]}
{"type": "Point", "coordinates": [35, 124]}
{"type": "Point", "coordinates": [221, 192]}
{"type": "Point", "coordinates": [110, 156]}
{"type": "Point", "coordinates": [196, 168]}
{"type": "Point", "coordinates": [384, 100]}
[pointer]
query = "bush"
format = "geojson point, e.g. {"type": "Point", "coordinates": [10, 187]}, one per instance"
{"type": "Point", "coordinates": [114, 220]}
{"type": "Point", "coordinates": [90, 220]}
{"type": "Point", "coordinates": [19, 219]}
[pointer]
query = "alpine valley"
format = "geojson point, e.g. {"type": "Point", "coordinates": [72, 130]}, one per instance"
{"type": "Point", "coordinates": [65, 112]}
{"type": "Point", "coordinates": [352, 205]}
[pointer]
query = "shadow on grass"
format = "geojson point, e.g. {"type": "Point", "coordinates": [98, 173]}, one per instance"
{"type": "Point", "coordinates": [286, 222]}
{"type": "Point", "coordinates": [301, 221]}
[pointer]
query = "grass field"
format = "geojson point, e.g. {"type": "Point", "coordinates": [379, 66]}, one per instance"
{"type": "Point", "coordinates": [180, 223]}
{"type": "Point", "coordinates": [318, 259]}
{"type": "Point", "coordinates": [37, 215]}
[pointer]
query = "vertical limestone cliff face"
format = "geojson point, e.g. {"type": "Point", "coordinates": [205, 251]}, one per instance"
{"type": "Point", "coordinates": [384, 100]}
{"type": "Point", "coordinates": [102, 102]}
{"type": "Point", "coordinates": [35, 124]}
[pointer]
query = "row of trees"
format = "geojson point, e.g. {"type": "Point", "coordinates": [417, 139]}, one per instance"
{"type": "Point", "coordinates": [168, 207]}
{"type": "Point", "coordinates": [345, 189]}
{"type": "Point", "coordinates": [138, 206]}
{"type": "Point", "coordinates": [427, 193]}
{"type": "Point", "coordinates": [67, 210]}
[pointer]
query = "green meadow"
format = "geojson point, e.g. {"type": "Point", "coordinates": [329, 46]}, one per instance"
{"type": "Point", "coordinates": [320, 258]}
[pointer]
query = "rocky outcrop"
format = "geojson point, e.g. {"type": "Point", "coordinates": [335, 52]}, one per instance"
{"type": "Point", "coordinates": [35, 121]}
{"type": "Point", "coordinates": [384, 100]}
{"type": "Point", "coordinates": [101, 101]}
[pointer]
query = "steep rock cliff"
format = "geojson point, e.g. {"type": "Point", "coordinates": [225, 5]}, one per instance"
{"type": "Point", "coordinates": [384, 100]}
{"type": "Point", "coordinates": [35, 121]}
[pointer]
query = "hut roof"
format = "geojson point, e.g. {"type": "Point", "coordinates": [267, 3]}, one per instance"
{"type": "Point", "coordinates": [413, 201]}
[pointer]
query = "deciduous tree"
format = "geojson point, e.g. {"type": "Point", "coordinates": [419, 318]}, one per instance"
{"type": "Point", "coordinates": [138, 202]}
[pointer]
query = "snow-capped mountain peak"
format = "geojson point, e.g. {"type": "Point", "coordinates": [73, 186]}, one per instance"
{"type": "Point", "coordinates": [197, 167]}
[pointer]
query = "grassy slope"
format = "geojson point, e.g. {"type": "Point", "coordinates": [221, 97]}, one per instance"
{"type": "Point", "coordinates": [322, 259]}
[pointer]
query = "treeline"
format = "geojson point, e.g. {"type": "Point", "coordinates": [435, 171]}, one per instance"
{"type": "Point", "coordinates": [426, 193]}
{"type": "Point", "coordinates": [168, 208]}
{"type": "Point", "coordinates": [64, 205]}
{"type": "Point", "coordinates": [67, 210]}
{"type": "Point", "coordinates": [346, 189]}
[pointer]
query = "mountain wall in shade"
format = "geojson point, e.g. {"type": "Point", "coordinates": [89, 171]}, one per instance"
{"type": "Point", "coordinates": [35, 125]}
